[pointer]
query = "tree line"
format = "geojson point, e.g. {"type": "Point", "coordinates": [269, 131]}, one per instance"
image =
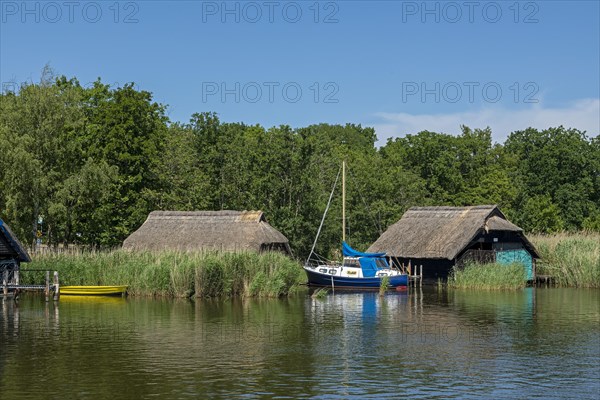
{"type": "Point", "coordinates": [86, 165]}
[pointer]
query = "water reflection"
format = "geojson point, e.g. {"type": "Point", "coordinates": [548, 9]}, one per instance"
{"type": "Point", "coordinates": [424, 343]}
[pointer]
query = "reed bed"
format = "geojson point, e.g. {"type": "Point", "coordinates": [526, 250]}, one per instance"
{"type": "Point", "coordinates": [572, 259]}
{"type": "Point", "coordinates": [384, 285]}
{"type": "Point", "coordinates": [175, 274]}
{"type": "Point", "coordinates": [488, 277]}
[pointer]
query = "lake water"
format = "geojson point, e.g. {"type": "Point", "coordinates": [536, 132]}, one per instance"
{"type": "Point", "coordinates": [535, 343]}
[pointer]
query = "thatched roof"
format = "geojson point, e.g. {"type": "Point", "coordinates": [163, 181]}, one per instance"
{"type": "Point", "coordinates": [10, 247]}
{"type": "Point", "coordinates": [442, 232]}
{"type": "Point", "coordinates": [206, 230]}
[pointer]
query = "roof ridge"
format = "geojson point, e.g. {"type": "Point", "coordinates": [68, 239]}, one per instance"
{"type": "Point", "coordinates": [457, 208]}
{"type": "Point", "coordinates": [234, 216]}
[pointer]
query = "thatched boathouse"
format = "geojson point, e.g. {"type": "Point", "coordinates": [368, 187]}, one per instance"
{"type": "Point", "coordinates": [12, 254]}
{"type": "Point", "coordinates": [207, 230]}
{"type": "Point", "coordinates": [440, 237]}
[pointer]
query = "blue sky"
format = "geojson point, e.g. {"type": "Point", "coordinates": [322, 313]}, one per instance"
{"type": "Point", "coordinates": [399, 66]}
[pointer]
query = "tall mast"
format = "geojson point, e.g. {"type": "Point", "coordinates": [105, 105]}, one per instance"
{"type": "Point", "coordinates": [344, 200]}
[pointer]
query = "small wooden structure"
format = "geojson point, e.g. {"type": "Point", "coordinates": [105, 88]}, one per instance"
{"type": "Point", "coordinates": [12, 254]}
{"type": "Point", "coordinates": [439, 238]}
{"type": "Point", "coordinates": [207, 230]}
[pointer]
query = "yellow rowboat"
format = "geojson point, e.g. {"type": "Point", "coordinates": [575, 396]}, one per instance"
{"type": "Point", "coordinates": [93, 290]}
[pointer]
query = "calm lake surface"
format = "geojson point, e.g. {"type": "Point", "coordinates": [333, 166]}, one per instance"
{"type": "Point", "coordinates": [535, 343]}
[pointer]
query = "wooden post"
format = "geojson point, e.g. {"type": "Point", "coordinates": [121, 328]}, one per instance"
{"type": "Point", "coordinates": [56, 287]}
{"type": "Point", "coordinates": [5, 282]}
{"type": "Point", "coordinates": [17, 283]}
{"type": "Point", "coordinates": [47, 289]}
{"type": "Point", "coordinates": [421, 278]}
{"type": "Point", "coordinates": [332, 285]}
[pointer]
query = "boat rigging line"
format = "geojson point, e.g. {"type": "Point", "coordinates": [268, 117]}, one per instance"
{"type": "Point", "coordinates": [324, 215]}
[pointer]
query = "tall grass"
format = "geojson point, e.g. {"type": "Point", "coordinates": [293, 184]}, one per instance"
{"type": "Point", "coordinates": [572, 259]}
{"type": "Point", "coordinates": [175, 274]}
{"type": "Point", "coordinates": [489, 277]}
{"type": "Point", "coordinates": [384, 285]}
{"type": "Point", "coordinates": [247, 274]}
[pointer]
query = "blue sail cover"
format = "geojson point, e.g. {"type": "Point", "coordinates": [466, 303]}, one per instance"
{"type": "Point", "coordinates": [348, 251]}
{"type": "Point", "coordinates": [368, 266]}
{"type": "Point", "coordinates": [368, 261]}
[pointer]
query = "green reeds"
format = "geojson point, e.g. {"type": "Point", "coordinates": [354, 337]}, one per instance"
{"type": "Point", "coordinates": [175, 274]}
{"type": "Point", "coordinates": [488, 277]}
{"type": "Point", "coordinates": [384, 285]}
{"type": "Point", "coordinates": [247, 274]}
{"type": "Point", "coordinates": [572, 259]}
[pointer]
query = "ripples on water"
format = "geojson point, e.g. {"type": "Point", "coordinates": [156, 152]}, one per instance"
{"type": "Point", "coordinates": [536, 343]}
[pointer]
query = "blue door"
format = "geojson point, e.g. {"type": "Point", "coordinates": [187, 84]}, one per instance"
{"type": "Point", "coordinates": [516, 256]}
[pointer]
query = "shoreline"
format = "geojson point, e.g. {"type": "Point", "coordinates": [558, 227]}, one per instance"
{"type": "Point", "coordinates": [571, 259]}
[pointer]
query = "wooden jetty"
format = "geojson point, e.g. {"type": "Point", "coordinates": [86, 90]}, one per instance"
{"type": "Point", "coordinates": [416, 276]}
{"type": "Point", "coordinates": [11, 286]}
{"type": "Point", "coordinates": [543, 280]}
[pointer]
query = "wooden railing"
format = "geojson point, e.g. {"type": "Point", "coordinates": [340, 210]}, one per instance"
{"type": "Point", "coordinates": [11, 283]}
{"type": "Point", "coordinates": [476, 257]}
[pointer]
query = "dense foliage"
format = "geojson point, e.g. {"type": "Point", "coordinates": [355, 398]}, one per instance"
{"type": "Point", "coordinates": [91, 163]}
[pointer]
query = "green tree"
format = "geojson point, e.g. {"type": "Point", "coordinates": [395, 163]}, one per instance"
{"type": "Point", "coordinates": [558, 163]}
{"type": "Point", "coordinates": [87, 160]}
{"type": "Point", "coordinates": [127, 130]}
{"type": "Point", "coordinates": [36, 127]}
{"type": "Point", "coordinates": [81, 209]}
{"type": "Point", "coordinates": [540, 215]}
{"type": "Point", "coordinates": [183, 183]}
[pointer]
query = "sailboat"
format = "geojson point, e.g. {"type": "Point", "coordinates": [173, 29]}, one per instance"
{"type": "Point", "coordinates": [357, 270]}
